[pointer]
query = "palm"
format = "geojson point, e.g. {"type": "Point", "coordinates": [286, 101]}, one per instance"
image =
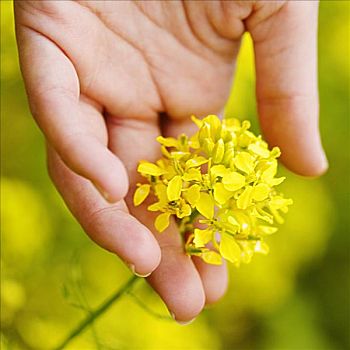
{"type": "Point", "coordinates": [120, 73]}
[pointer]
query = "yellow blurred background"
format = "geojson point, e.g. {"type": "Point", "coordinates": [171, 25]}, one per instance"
{"type": "Point", "coordinates": [52, 274]}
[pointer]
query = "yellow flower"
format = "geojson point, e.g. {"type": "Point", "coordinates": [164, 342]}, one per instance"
{"type": "Point", "coordinates": [223, 175]}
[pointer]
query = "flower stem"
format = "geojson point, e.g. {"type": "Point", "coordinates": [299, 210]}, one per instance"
{"type": "Point", "coordinates": [94, 314]}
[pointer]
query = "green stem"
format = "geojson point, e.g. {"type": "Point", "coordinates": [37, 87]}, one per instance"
{"type": "Point", "coordinates": [94, 314]}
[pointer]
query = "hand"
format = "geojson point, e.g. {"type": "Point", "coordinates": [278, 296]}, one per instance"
{"type": "Point", "coordinates": [105, 78]}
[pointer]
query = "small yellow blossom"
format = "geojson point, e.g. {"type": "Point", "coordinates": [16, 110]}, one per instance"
{"type": "Point", "coordinates": [223, 178]}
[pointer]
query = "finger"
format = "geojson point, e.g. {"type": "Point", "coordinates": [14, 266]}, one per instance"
{"type": "Point", "coordinates": [285, 47]}
{"type": "Point", "coordinates": [176, 279]}
{"type": "Point", "coordinates": [53, 90]}
{"type": "Point", "coordinates": [110, 226]}
{"type": "Point", "coordinates": [214, 279]}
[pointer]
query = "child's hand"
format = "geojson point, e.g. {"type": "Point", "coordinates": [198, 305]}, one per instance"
{"type": "Point", "coordinates": [105, 78]}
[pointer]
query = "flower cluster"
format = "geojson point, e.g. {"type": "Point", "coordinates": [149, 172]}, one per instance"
{"type": "Point", "coordinates": [219, 187]}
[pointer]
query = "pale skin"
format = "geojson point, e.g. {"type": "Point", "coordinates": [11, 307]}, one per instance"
{"type": "Point", "coordinates": [105, 78]}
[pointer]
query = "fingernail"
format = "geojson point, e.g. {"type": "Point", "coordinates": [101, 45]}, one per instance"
{"type": "Point", "coordinates": [182, 323]}
{"type": "Point", "coordinates": [132, 269]}
{"type": "Point", "coordinates": [325, 161]}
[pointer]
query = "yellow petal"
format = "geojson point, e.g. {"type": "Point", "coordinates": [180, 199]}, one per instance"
{"type": "Point", "coordinates": [259, 150]}
{"type": "Point", "coordinates": [192, 175]}
{"type": "Point", "coordinates": [174, 188]}
{"type": "Point", "coordinates": [279, 202]}
{"type": "Point", "coordinates": [205, 205]}
{"type": "Point", "coordinates": [261, 247]}
{"type": "Point", "coordinates": [197, 121]}
{"type": "Point", "coordinates": [211, 257]}
{"type": "Point", "coordinates": [218, 151]}
{"type": "Point", "coordinates": [167, 141]}
{"type": "Point", "coordinates": [221, 195]}
{"type": "Point", "coordinates": [229, 154]}
{"type": "Point", "coordinates": [225, 134]}
{"type": "Point", "coordinates": [155, 206]}
{"type": "Point", "coordinates": [245, 162]}
{"type": "Point", "coordinates": [192, 195]}
{"type": "Point", "coordinates": [233, 221]}
{"type": "Point", "coordinates": [150, 169]}
{"type": "Point", "coordinates": [219, 170]}
{"type": "Point", "coordinates": [266, 230]}
{"type": "Point", "coordinates": [246, 138]}
{"type": "Point", "coordinates": [228, 227]}
{"type": "Point", "coordinates": [208, 146]}
{"type": "Point", "coordinates": [183, 211]}
{"type": "Point", "coordinates": [179, 154]}
{"type": "Point", "coordinates": [196, 161]}
{"type": "Point", "coordinates": [162, 222]}
{"type": "Point", "coordinates": [275, 152]}
{"type": "Point", "coordinates": [233, 181]}
{"type": "Point", "coordinates": [193, 141]}
{"type": "Point", "coordinates": [247, 252]}
{"type": "Point", "coordinates": [261, 192]}
{"type": "Point", "coordinates": [165, 152]}
{"type": "Point", "coordinates": [245, 199]}
{"type": "Point", "coordinates": [204, 132]}
{"type": "Point", "coordinates": [263, 215]}
{"type": "Point", "coordinates": [276, 181]}
{"type": "Point", "coordinates": [202, 237]}
{"type": "Point", "coordinates": [160, 190]}
{"type": "Point", "coordinates": [243, 221]}
{"type": "Point", "coordinates": [229, 249]}
{"type": "Point", "coordinates": [270, 172]}
{"type": "Point", "coordinates": [141, 194]}
{"type": "Point", "coordinates": [213, 120]}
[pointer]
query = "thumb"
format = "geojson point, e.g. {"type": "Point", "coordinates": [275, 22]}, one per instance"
{"type": "Point", "coordinates": [285, 47]}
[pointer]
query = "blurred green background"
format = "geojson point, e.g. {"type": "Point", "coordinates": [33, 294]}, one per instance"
{"type": "Point", "coordinates": [296, 298]}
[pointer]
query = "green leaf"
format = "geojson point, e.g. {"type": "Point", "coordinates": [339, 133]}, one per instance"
{"type": "Point", "coordinates": [229, 249]}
